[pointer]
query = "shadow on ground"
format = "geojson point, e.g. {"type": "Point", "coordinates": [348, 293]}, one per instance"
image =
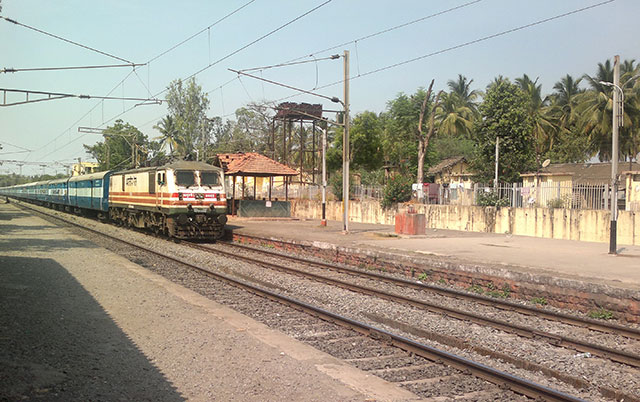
{"type": "Point", "coordinates": [58, 344]}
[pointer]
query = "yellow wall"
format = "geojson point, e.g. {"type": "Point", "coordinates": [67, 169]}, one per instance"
{"type": "Point", "coordinates": [633, 191]}
{"type": "Point", "coordinates": [559, 223]}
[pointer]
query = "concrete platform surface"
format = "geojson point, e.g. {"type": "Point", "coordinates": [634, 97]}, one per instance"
{"type": "Point", "coordinates": [78, 322]}
{"type": "Point", "coordinates": [581, 261]}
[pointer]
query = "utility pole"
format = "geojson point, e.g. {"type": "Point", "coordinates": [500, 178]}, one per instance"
{"type": "Point", "coordinates": [495, 179]}
{"type": "Point", "coordinates": [616, 108]}
{"type": "Point", "coordinates": [323, 222]}
{"type": "Point", "coordinates": [345, 148]}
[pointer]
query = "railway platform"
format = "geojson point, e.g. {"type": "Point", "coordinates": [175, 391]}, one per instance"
{"type": "Point", "coordinates": [78, 322]}
{"type": "Point", "coordinates": [579, 274]}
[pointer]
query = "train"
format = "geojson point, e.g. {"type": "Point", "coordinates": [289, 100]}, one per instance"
{"type": "Point", "coordinates": [182, 200]}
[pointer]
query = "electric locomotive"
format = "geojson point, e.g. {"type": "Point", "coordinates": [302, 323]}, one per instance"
{"type": "Point", "coordinates": [185, 200]}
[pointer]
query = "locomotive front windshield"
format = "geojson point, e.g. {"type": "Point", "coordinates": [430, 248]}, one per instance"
{"type": "Point", "coordinates": [209, 179]}
{"type": "Point", "coordinates": [185, 178]}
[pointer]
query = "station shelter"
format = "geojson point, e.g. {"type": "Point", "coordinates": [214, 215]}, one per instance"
{"type": "Point", "coordinates": [256, 171]}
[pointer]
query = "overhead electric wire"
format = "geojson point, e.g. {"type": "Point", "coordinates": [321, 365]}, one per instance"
{"type": "Point", "coordinates": [465, 44]}
{"type": "Point", "coordinates": [390, 29]}
{"type": "Point", "coordinates": [259, 39]}
{"type": "Point", "coordinates": [194, 74]}
{"type": "Point", "coordinates": [15, 146]}
{"type": "Point", "coordinates": [332, 57]}
{"type": "Point", "coordinates": [84, 115]}
{"type": "Point", "coordinates": [59, 95]}
{"type": "Point", "coordinates": [18, 70]}
{"type": "Point", "coordinates": [147, 63]}
{"type": "Point", "coordinates": [201, 31]}
{"type": "Point", "coordinates": [66, 40]}
{"type": "Point", "coordinates": [235, 52]}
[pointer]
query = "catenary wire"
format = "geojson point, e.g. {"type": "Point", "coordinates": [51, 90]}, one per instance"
{"type": "Point", "coordinates": [389, 29]}
{"type": "Point", "coordinates": [232, 53]}
{"type": "Point", "coordinates": [147, 63]}
{"type": "Point", "coordinates": [199, 71]}
{"type": "Point", "coordinates": [66, 40]}
{"type": "Point", "coordinates": [201, 31]}
{"type": "Point", "coordinates": [17, 70]}
{"type": "Point", "coordinates": [461, 45]}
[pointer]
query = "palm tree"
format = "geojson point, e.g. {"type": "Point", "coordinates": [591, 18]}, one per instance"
{"type": "Point", "coordinates": [170, 135]}
{"type": "Point", "coordinates": [595, 109]}
{"type": "Point", "coordinates": [543, 127]}
{"type": "Point", "coordinates": [567, 141]}
{"type": "Point", "coordinates": [458, 109]}
{"type": "Point", "coordinates": [462, 89]}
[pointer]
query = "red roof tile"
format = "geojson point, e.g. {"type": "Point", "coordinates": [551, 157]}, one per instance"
{"type": "Point", "coordinates": [253, 164]}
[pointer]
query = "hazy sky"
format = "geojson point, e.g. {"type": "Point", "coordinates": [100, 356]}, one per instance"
{"type": "Point", "coordinates": [138, 31]}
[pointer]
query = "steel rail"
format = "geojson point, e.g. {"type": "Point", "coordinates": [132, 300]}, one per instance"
{"type": "Point", "coordinates": [500, 378]}
{"type": "Point", "coordinates": [503, 304]}
{"type": "Point", "coordinates": [553, 339]}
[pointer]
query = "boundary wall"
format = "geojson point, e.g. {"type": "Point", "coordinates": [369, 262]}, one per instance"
{"type": "Point", "coordinates": [558, 223]}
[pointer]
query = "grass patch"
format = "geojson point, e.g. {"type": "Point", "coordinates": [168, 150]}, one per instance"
{"type": "Point", "coordinates": [423, 276]}
{"type": "Point", "coordinates": [601, 314]}
{"type": "Point", "coordinates": [539, 300]}
{"type": "Point", "coordinates": [476, 289]}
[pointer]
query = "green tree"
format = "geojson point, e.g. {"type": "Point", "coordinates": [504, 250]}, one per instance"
{"type": "Point", "coordinates": [187, 106]}
{"type": "Point", "coordinates": [124, 146]}
{"type": "Point", "coordinates": [365, 144]}
{"type": "Point", "coordinates": [411, 121]}
{"type": "Point", "coordinates": [505, 114]}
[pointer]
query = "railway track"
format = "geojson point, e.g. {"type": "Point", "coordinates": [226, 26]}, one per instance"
{"type": "Point", "coordinates": [414, 365]}
{"type": "Point", "coordinates": [505, 305]}
{"type": "Point", "coordinates": [529, 332]}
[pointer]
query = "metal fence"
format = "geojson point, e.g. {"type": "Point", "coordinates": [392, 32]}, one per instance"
{"type": "Point", "coordinates": [550, 195]}
{"type": "Point", "coordinates": [517, 195]}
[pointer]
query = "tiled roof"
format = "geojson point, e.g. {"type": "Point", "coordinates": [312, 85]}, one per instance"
{"type": "Point", "coordinates": [253, 164]}
{"type": "Point", "coordinates": [584, 172]}
{"type": "Point", "coordinates": [445, 164]}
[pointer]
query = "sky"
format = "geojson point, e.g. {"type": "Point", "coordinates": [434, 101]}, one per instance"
{"type": "Point", "coordinates": [476, 38]}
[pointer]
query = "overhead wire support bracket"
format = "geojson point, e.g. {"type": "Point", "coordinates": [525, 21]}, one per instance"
{"type": "Point", "coordinates": [58, 95]}
{"type": "Point", "coordinates": [332, 99]}
{"type": "Point", "coordinates": [19, 70]}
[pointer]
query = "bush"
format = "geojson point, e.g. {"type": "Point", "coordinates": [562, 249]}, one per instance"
{"type": "Point", "coordinates": [397, 189]}
{"type": "Point", "coordinates": [556, 203]}
{"type": "Point", "coordinates": [491, 199]}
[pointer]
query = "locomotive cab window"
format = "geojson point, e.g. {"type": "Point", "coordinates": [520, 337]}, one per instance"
{"type": "Point", "coordinates": [209, 179]}
{"type": "Point", "coordinates": [186, 178]}
{"type": "Point", "coordinates": [161, 178]}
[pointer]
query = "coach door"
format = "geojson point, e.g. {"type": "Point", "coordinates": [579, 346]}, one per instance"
{"type": "Point", "coordinates": [152, 187]}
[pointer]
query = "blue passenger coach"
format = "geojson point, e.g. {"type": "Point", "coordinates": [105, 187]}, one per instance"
{"type": "Point", "coordinates": [89, 191]}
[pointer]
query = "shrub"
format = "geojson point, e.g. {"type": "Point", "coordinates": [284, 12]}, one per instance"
{"type": "Point", "coordinates": [491, 199]}
{"type": "Point", "coordinates": [556, 203]}
{"type": "Point", "coordinates": [397, 189]}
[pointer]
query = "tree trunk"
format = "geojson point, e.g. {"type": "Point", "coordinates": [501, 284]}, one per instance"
{"type": "Point", "coordinates": [423, 139]}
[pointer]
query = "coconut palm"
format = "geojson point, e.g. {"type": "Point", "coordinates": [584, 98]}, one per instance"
{"type": "Point", "coordinates": [543, 126]}
{"type": "Point", "coordinates": [462, 89]}
{"type": "Point", "coordinates": [170, 135]}
{"type": "Point", "coordinates": [595, 109]}
{"type": "Point", "coordinates": [458, 109]}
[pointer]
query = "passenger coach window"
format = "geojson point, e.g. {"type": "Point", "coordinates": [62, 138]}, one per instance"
{"type": "Point", "coordinates": [209, 179]}
{"type": "Point", "coordinates": [185, 178]}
